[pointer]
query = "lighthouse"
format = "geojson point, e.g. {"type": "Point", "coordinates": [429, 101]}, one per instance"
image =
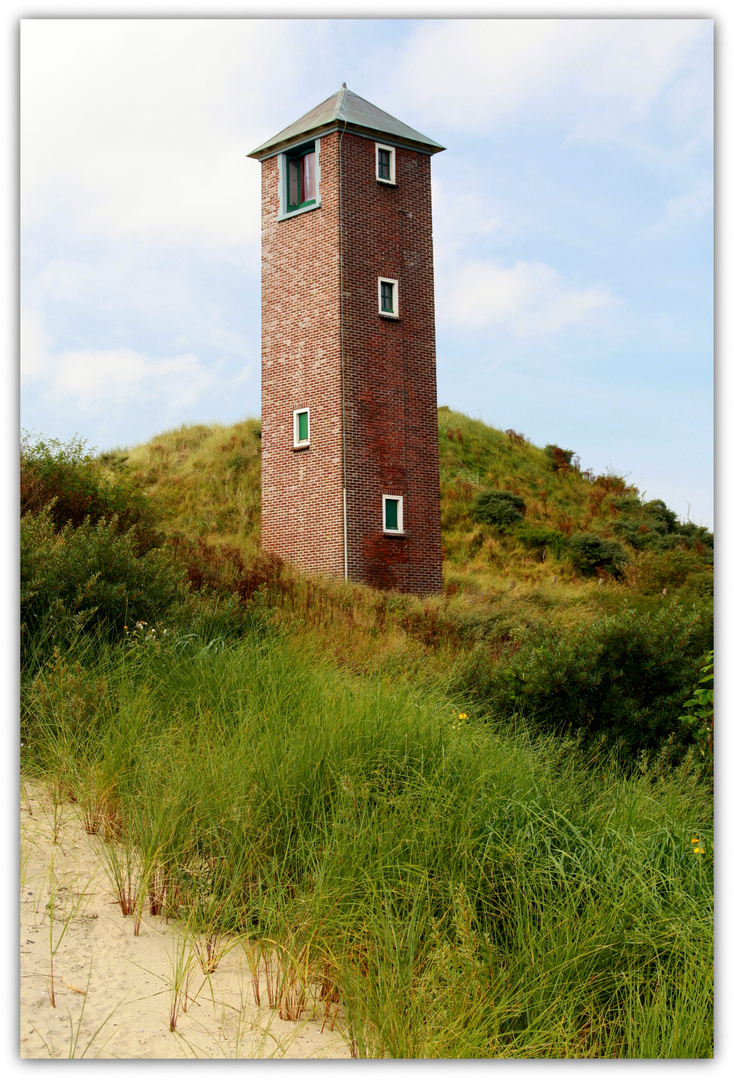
{"type": "Point", "coordinates": [350, 477]}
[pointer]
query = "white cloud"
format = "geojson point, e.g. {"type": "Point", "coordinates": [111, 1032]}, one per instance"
{"type": "Point", "coordinates": [463, 214]}
{"type": "Point", "coordinates": [594, 76]}
{"type": "Point", "coordinates": [143, 126]}
{"type": "Point", "coordinates": [687, 208]}
{"type": "Point", "coordinates": [94, 379]}
{"type": "Point", "coordinates": [91, 378]}
{"type": "Point", "coordinates": [527, 298]}
{"type": "Point", "coordinates": [34, 344]}
{"type": "Point", "coordinates": [121, 278]}
{"type": "Point", "coordinates": [145, 288]}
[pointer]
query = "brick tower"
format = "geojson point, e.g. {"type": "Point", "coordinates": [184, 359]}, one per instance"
{"type": "Point", "coordinates": [350, 483]}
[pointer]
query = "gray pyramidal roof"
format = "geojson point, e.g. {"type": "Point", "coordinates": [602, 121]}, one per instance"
{"type": "Point", "coordinates": [345, 109]}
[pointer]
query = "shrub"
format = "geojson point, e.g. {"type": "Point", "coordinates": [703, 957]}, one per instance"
{"type": "Point", "coordinates": [641, 536]}
{"type": "Point", "coordinates": [65, 479]}
{"type": "Point", "coordinates": [612, 483]}
{"type": "Point", "coordinates": [89, 579]}
{"type": "Point", "coordinates": [541, 539]}
{"type": "Point", "coordinates": [591, 553]}
{"type": "Point", "coordinates": [658, 511]}
{"type": "Point", "coordinates": [696, 536]}
{"type": "Point", "coordinates": [677, 569]}
{"type": "Point", "coordinates": [625, 676]}
{"type": "Point", "coordinates": [699, 718]}
{"type": "Point", "coordinates": [627, 504]}
{"type": "Point", "coordinates": [501, 508]}
{"type": "Point", "coordinates": [559, 460]}
{"type": "Point", "coordinates": [652, 526]}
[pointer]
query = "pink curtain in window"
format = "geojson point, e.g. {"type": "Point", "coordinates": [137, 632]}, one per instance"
{"type": "Point", "coordinates": [308, 177]}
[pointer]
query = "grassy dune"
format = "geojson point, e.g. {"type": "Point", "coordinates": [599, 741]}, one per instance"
{"type": "Point", "coordinates": [433, 816]}
{"type": "Point", "coordinates": [205, 480]}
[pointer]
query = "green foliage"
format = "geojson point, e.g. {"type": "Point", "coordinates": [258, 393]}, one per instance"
{"type": "Point", "coordinates": [652, 526]}
{"type": "Point", "coordinates": [501, 508]}
{"type": "Point", "coordinates": [542, 539]}
{"type": "Point", "coordinates": [67, 481]}
{"type": "Point", "coordinates": [559, 460]}
{"type": "Point", "coordinates": [699, 715]}
{"type": "Point", "coordinates": [657, 510]}
{"type": "Point", "coordinates": [641, 536]}
{"type": "Point", "coordinates": [624, 677]}
{"type": "Point", "coordinates": [628, 503]}
{"type": "Point", "coordinates": [89, 579]}
{"type": "Point", "coordinates": [696, 536]}
{"type": "Point", "coordinates": [591, 553]}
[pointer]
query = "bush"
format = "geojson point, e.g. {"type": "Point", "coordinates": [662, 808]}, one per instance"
{"type": "Point", "coordinates": [90, 579]}
{"type": "Point", "coordinates": [541, 539]}
{"type": "Point", "coordinates": [591, 553]}
{"type": "Point", "coordinates": [696, 536]}
{"type": "Point", "coordinates": [625, 676]}
{"type": "Point", "coordinates": [699, 717]}
{"type": "Point", "coordinates": [652, 526]}
{"type": "Point", "coordinates": [681, 570]}
{"type": "Point", "coordinates": [627, 504]}
{"type": "Point", "coordinates": [500, 508]}
{"type": "Point", "coordinates": [641, 536]}
{"type": "Point", "coordinates": [658, 511]}
{"type": "Point", "coordinates": [65, 479]}
{"type": "Point", "coordinates": [559, 460]}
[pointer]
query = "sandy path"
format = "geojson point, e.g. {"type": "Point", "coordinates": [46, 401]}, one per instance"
{"type": "Point", "coordinates": [113, 991]}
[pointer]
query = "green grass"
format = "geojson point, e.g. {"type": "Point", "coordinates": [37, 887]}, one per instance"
{"type": "Point", "coordinates": [470, 892]}
{"type": "Point", "coordinates": [205, 480]}
{"type": "Point", "coordinates": [376, 789]}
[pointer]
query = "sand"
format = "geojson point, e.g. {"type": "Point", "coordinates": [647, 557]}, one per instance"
{"type": "Point", "coordinates": [113, 990]}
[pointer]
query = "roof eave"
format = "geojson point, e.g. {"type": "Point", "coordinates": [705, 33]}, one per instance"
{"type": "Point", "coordinates": [272, 147]}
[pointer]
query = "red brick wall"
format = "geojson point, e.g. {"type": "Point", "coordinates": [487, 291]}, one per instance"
{"type": "Point", "coordinates": [391, 420]}
{"type": "Point", "coordinates": [302, 516]}
{"type": "Point", "coordinates": [390, 372]}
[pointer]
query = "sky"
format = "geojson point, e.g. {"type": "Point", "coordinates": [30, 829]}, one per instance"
{"type": "Point", "coordinates": [572, 213]}
{"type": "Point", "coordinates": [573, 226]}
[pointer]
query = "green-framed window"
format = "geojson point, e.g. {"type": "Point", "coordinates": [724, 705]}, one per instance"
{"type": "Point", "coordinates": [385, 163]}
{"type": "Point", "coordinates": [301, 179]}
{"type": "Point", "coordinates": [392, 513]}
{"type": "Point", "coordinates": [387, 296]}
{"type": "Point", "coordinates": [301, 428]}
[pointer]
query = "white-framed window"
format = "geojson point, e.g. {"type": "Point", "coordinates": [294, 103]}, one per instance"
{"type": "Point", "coordinates": [392, 513]}
{"type": "Point", "coordinates": [301, 428]}
{"type": "Point", "coordinates": [299, 176]}
{"type": "Point", "coordinates": [387, 297]}
{"type": "Point", "coordinates": [385, 163]}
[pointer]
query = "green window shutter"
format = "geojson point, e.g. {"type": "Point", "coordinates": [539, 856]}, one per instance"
{"type": "Point", "coordinates": [303, 427]}
{"type": "Point", "coordinates": [293, 182]}
{"type": "Point", "coordinates": [391, 514]}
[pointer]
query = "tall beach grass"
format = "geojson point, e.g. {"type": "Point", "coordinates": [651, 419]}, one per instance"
{"type": "Point", "coordinates": [460, 890]}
